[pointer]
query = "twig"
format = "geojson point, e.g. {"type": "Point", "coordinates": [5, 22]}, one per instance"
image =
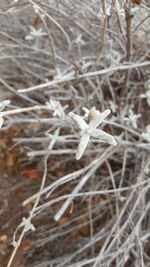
{"type": "Point", "coordinates": [31, 213]}
{"type": "Point", "coordinates": [129, 17]}
{"type": "Point", "coordinates": [105, 155]}
{"type": "Point", "coordinates": [103, 34]}
{"type": "Point", "coordinates": [88, 74]}
{"type": "Point", "coordinates": [112, 192]}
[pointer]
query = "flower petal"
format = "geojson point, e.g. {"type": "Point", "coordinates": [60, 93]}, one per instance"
{"type": "Point", "coordinates": [104, 137]}
{"type": "Point", "coordinates": [81, 123]}
{"type": "Point", "coordinates": [82, 145]}
{"type": "Point", "coordinates": [99, 119]}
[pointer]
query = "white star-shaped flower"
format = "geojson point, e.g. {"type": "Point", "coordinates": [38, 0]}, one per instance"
{"type": "Point", "coordinates": [132, 118]}
{"type": "Point", "coordinates": [26, 223]}
{"type": "Point", "coordinates": [58, 109]}
{"type": "Point", "coordinates": [88, 130]}
{"type": "Point", "coordinates": [34, 33]}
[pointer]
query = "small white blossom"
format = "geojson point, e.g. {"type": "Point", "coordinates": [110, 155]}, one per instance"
{"type": "Point", "coordinates": [1, 122]}
{"type": "Point", "coordinates": [132, 118]}
{"type": "Point", "coordinates": [2, 106]}
{"type": "Point", "coordinates": [88, 130]}
{"type": "Point", "coordinates": [58, 75]}
{"type": "Point", "coordinates": [36, 8]}
{"type": "Point", "coordinates": [146, 135]}
{"type": "Point", "coordinates": [147, 96]}
{"type": "Point", "coordinates": [79, 40]}
{"type": "Point", "coordinates": [108, 11]}
{"type": "Point", "coordinates": [147, 170]}
{"type": "Point", "coordinates": [99, 14]}
{"type": "Point", "coordinates": [113, 106]}
{"type": "Point", "coordinates": [54, 138]}
{"type": "Point", "coordinates": [34, 33]}
{"type": "Point", "coordinates": [26, 223]}
{"type": "Point", "coordinates": [86, 112]}
{"type": "Point", "coordinates": [58, 110]}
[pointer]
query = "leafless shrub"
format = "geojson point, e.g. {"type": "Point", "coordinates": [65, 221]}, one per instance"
{"type": "Point", "coordinates": [61, 56]}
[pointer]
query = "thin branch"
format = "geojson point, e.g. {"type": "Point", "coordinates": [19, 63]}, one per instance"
{"type": "Point", "coordinates": [129, 44]}
{"type": "Point", "coordinates": [88, 74]}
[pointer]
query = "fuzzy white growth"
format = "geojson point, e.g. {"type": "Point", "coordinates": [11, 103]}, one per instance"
{"type": "Point", "coordinates": [88, 130]}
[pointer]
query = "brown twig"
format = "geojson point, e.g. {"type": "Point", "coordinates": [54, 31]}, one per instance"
{"type": "Point", "coordinates": [103, 34]}
{"type": "Point", "coordinates": [128, 17]}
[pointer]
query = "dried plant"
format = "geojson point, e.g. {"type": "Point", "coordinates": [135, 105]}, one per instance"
{"type": "Point", "coordinates": [56, 58]}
